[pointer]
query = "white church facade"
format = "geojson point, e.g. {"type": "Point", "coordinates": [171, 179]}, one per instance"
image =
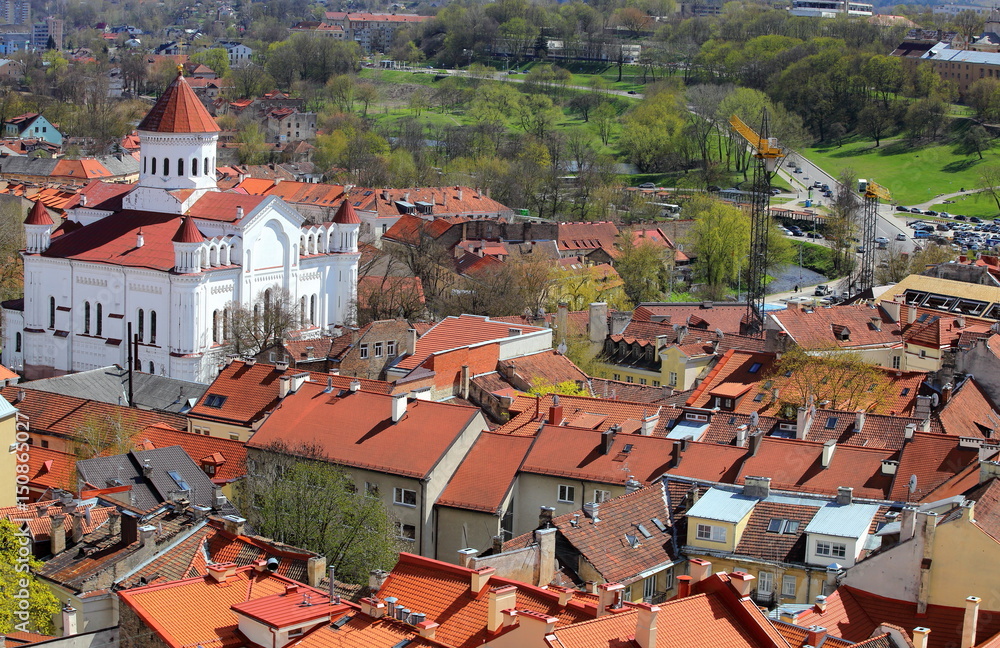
{"type": "Point", "coordinates": [171, 255]}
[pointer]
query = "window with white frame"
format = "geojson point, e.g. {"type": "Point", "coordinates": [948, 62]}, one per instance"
{"type": "Point", "coordinates": [613, 376]}
{"type": "Point", "coordinates": [378, 349]}
{"type": "Point", "coordinates": [404, 497]}
{"type": "Point", "coordinates": [896, 362]}
{"type": "Point", "coordinates": [601, 495]}
{"type": "Point", "coordinates": [668, 579]}
{"type": "Point", "coordinates": [390, 348]}
{"type": "Point", "coordinates": [832, 549]}
{"type": "Point", "coordinates": [711, 533]}
{"type": "Point", "coordinates": [364, 351]}
{"type": "Point", "coordinates": [642, 381]}
{"type": "Point", "coordinates": [567, 494]}
{"type": "Point", "coordinates": [672, 379]}
{"type": "Point", "coordinates": [406, 531]}
{"type": "Point", "coordinates": [788, 585]}
{"type": "Point", "coordinates": [649, 588]}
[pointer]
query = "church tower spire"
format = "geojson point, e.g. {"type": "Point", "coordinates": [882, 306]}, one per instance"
{"type": "Point", "coordinates": [177, 141]}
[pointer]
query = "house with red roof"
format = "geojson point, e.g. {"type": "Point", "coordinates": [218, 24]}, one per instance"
{"type": "Point", "coordinates": [32, 125]}
{"type": "Point", "coordinates": [395, 447]}
{"type": "Point", "coordinates": [176, 249]}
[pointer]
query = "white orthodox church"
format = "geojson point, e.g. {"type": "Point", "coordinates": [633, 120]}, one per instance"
{"type": "Point", "coordinates": [170, 255]}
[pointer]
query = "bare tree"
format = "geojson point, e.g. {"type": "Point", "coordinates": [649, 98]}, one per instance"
{"type": "Point", "coordinates": [106, 434]}
{"type": "Point", "coordinates": [269, 318]}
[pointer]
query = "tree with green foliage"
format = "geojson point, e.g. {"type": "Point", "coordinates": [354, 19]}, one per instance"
{"type": "Point", "coordinates": [720, 240]}
{"type": "Point", "coordinates": [216, 58]}
{"type": "Point", "coordinates": [26, 603]}
{"type": "Point", "coordinates": [252, 147]}
{"type": "Point", "coordinates": [644, 267]}
{"type": "Point", "coordinates": [292, 495]}
{"type": "Point", "coordinates": [975, 140]}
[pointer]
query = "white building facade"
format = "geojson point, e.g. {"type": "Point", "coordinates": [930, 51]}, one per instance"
{"type": "Point", "coordinates": [172, 257]}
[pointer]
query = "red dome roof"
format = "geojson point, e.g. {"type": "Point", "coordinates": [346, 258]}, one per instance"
{"type": "Point", "coordinates": [346, 214]}
{"type": "Point", "coordinates": [178, 110]}
{"type": "Point", "coordinates": [188, 232]}
{"type": "Point", "coordinates": [38, 215]}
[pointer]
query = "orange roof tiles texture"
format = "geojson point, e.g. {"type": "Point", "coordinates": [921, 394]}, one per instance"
{"type": "Point", "coordinates": [577, 453]}
{"type": "Point", "coordinates": [178, 110]}
{"type": "Point", "coordinates": [487, 473]}
{"type": "Point", "coordinates": [461, 331]}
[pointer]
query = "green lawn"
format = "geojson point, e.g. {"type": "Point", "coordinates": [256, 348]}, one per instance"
{"type": "Point", "coordinates": [980, 204]}
{"type": "Point", "coordinates": [913, 174]}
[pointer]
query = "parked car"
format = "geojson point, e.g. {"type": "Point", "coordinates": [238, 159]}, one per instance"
{"type": "Point", "coordinates": [944, 214]}
{"type": "Point", "coordinates": [815, 235]}
{"type": "Point", "coordinates": [941, 227]}
{"type": "Point", "coordinates": [975, 219]}
{"type": "Point", "coordinates": [930, 212]}
{"type": "Point", "coordinates": [921, 234]}
{"type": "Point", "coordinates": [632, 92]}
{"type": "Point", "coordinates": [959, 217]}
{"type": "Point", "coordinates": [775, 191]}
{"type": "Point", "coordinates": [901, 208]}
{"type": "Point", "coordinates": [916, 210]}
{"type": "Point", "coordinates": [798, 169]}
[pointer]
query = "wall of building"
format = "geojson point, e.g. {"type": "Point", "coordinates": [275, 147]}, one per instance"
{"type": "Point", "coordinates": [535, 491]}
{"type": "Point", "coordinates": [462, 529]}
{"type": "Point", "coordinates": [220, 430]}
{"type": "Point", "coordinates": [133, 633]}
{"type": "Point", "coordinates": [969, 571]}
{"type": "Point", "coordinates": [9, 455]}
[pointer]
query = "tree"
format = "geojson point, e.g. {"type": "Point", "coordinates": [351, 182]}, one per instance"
{"type": "Point", "coordinates": [720, 241]}
{"type": "Point", "coordinates": [17, 567]}
{"type": "Point", "coordinates": [105, 435]}
{"type": "Point", "coordinates": [989, 182]}
{"type": "Point", "coordinates": [292, 495]}
{"type": "Point", "coordinates": [843, 221]}
{"type": "Point", "coordinates": [541, 387]}
{"type": "Point", "coordinates": [249, 81]}
{"type": "Point", "coordinates": [367, 94]}
{"type": "Point", "coordinates": [644, 268]}
{"type": "Point", "coordinates": [843, 379]}
{"type": "Point", "coordinates": [11, 242]}
{"type": "Point", "coordinates": [605, 117]}
{"type": "Point", "coordinates": [984, 97]}
{"type": "Point", "coordinates": [270, 317]}
{"type": "Point", "coordinates": [252, 147]}
{"type": "Point", "coordinates": [216, 58]}
{"type": "Point", "coordinates": [976, 140]}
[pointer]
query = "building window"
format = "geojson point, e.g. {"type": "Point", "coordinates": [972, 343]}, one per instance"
{"type": "Point", "coordinates": [194, 166]}
{"type": "Point", "coordinates": [896, 362]}
{"type": "Point", "coordinates": [672, 379]}
{"type": "Point", "coordinates": [378, 349]}
{"type": "Point", "coordinates": [152, 368]}
{"type": "Point", "coordinates": [371, 488]}
{"type": "Point", "coordinates": [99, 329]}
{"type": "Point", "coordinates": [166, 166]}
{"type": "Point", "coordinates": [206, 167]}
{"type": "Point", "coordinates": [390, 348]}
{"type": "Point", "coordinates": [234, 436]}
{"type": "Point", "coordinates": [215, 400]}
{"type": "Point", "coordinates": [215, 327]}
{"type": "Point", "coordinates": [364, 351]}
{"type": "Point", "coordinates": [668, 579]}
{"type": "Point", "coordinates": [142, 324]}
{"type": "Point", "coordinates": [649, 588]}
{"type": "Point", "coordinates": [312, 310]}
{"type": "Point", "coordinates": [566, 494]}
{"type": "Point", "coordinates": [711, 533]}
{"type": "Point", "coordinates": [180, 166]}
{"type": "Point", "coordinates": [45, 443]}
{"type": "Point", "coordinates": [788, 586]}
{"type": "Point", "coordinates": [629, 379]}
{"type": "Point", "coordinates": [616, 377]}
{"type": "Point", "coordinates": [832, 549]}
{"type": "Point", "coordinates": [923, 354]}
{"type": "Point", "coordinates": [601, 495]}
{"type": "Point", "coordinates": [17, 342]}
{"type": "Point", "coordinates": [406, 531]}
{"type": "Point", "coordinates": [656, 383]}
{"type": "Point", "coordinates": [404, 497]}
{"type": "Point", "coordinates": [86, 318]}
{"type": "Point", "coordinates": [52, 312]}
{"type": "Point", "coordinates": [642, 381]}
{"type": "Point", "coordinates": [153, 166]}
{"type": "Point", "coordinates": [152, 327]}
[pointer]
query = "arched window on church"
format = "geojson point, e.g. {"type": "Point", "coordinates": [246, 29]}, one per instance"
{"type": "Point", "coordinates": [194, 166]}
{"type": "Point", "coordinates": [142, 324]}
{"type": "Point", "coordinates": [152, 368]}
{"type": "Point", "coordinates": [166, 166]}
{"type": "Point", "coordinates": [152, 327]}
{"type": "Point", "coordinates": [52, 312]}
{"type": "Point", "coordinates": [152, 166]}
{"type": "Point", "coordinates": [302, 311]}
{"type": "Point", "coordinates": [312, 310]}
{"type": "Point", "coordinates": [86, 318]}
{"type": "Point", "coordinates": [143, 163]}
{"type": "Point", "coordinates": [267, 306]}
{"type": "Point", "coordinates": [206, 167]}
{"type": "Point", "coordinates": [17, 342]}
{"type": "Point", "coordinates": [225, 324]}
{"type": "Point", "coordinates": [180, 166]}
{"type": "Point", "coordinates": [99, 328]}
{"type": "Point", "coordinates": [215, 327]}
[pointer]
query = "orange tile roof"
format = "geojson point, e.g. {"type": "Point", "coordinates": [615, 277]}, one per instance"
{"type": "Point", "coordinates": [6, 374]}
{"type": "Point", "coordinates": [166, 607]}
{"type": "Point", "coordinates": [933, 459]}
{"type": "Point", "coordinates": [545, 368]}
{"type": "Point", "coordinates": [364, 435]}
{"type": "Point", "coordinates": [487, 473]}
{"type": "Point", "coordinates": [178, 110]}
{"type": "Point", "coordinates": [442, 591]}
{"type": "Point", "coordinates": [613, 411]}
{"type": "Point", "coordinates": [815, 329]}
{"type": "Point", "coordinates": [303, 193]}
{"type": "Point", "coordinates": [251, 390]}
{"type": "Point", "coordinates": [726, 317]}
{"type": "Point", "coordinates": [576, 453]}
{"type": "Point", "coordinates": [855, 614]}
{"type": "Point", "coordinates": [445, 201]}
{"type": "Point", "coordinates": [52, 469]}
{"type": "Point", "coordinates": [587, 235]}
{"type": "Point", "coordinates": [710, 462]}
{"type": "Point", "coordinates": [969, 412]}
{"type": "Point", "coordinates": [228, 456]}
{"type": "Point", "coordinates": [37, 516]}
{"type": "Point", "coordinates": [461, 331]}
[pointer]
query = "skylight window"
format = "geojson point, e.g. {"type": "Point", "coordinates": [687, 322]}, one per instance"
{"type": "Point", "coordinates": [831, 422]}
{"type": "Point", "coordinates": [759, 397]}
{"type": "Point", "coordinates": [628, 448]}
{"type": "Point", "coordinates": [644, 531]}
{"type": "Point", "coordinates": [215, 400]}
{"type": "Point", "coordinates": [632, 540]}
{"type": "Point", "coordinates": [176, 476]}
{"type": "Point", "coordinates": [782, 526]}
{"type": "Point", "coordinates": [905, 392]}
{"type": "Point", "coordinates": [755, 367]}
{"type": "Point", "coordinates": [660, 525]}
{"type": "Point", "coordinates": [342, 621]}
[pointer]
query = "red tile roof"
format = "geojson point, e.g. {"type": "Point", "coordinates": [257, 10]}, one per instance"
{"type": "Point", "coordinates": [933, 459]}
{"type": "Point", "coordinates": [710, 462]}
{"type": "Point", "coordinates": [855, 614]}
{"type": "Point", "coordinates": [487, 473]}
{"type": "Point", "coordinates": [587, 236]}
{"type": "Point", "coordinates": [188, 232]}
{"type": "Point", "coordinates": [442, 591]}
{"type": "Point", "coordinates": [364, 435]}
{"type": "Point", "coordinates": [461, 331]}
{"type": "Point", "coordinates": [576, 453]}
{"type": "Point", "coordinates": [304, 193]}
{"type": "Point", "coordinates": [228, 456]}
{"type": "Point", "coordinates": [969, 412]}
{"type": "Point", "coordinates": [178, 110]}
{"type": "Point", "coordinates": [38, 215]}
{"type": "Point", "coordinates": [447, 202]}
{"type": "Point", "coordinates": [251, 390]}
{"type": "Point", "coordinates": [863, 326]}
{"type": "Point", "coordinates": [346, 215]}
{"type": "Point", "coordinates": [51, 469]}
{"type": "Point", "coordinates": [726, 317]}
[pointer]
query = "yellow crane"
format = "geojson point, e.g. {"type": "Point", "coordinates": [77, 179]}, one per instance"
{"type": "Point", "coordinates": [873, 192]}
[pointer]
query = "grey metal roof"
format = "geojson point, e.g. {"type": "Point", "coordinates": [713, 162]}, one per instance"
{"type": "Point", "coordinates": [686, 428]}
{"type": "Point", "coordinates": [941, 52]}
{"type": "Point", "coordinates": [843, 520]}
{"type": "Point", "coordinates": [722, 506]}
{"type": "Point", "coordinates": [110, 385]}
{"type": "Point", "coordinates": [149, 492]}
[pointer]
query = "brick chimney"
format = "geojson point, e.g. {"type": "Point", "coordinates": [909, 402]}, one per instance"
{"type": "Point", "coordinates": [467, 556]}
{"type": "Point", "coordinates": [70, 620]}
{"type": "Point", "coordinates": [536, 627]}
{"type": "Point", "coordinates": [234, 524]}
{"type": "Point", "coordinates": [372, 607]}
{"type": "Point", "coordinates": [376, 578]}
{"type": "Point", "coordinates": [221, 571]}
{"type": "Point", "coordinates": [970, 622]}
{"type": "Point", "coordinates": [57, 534]}
{"type": "Point", "coordinates": [700, 569]}
{"type": "Point", "coordinates": [683, 586]}
{"type": "Point", "coordinates": [555, 411]}
{"type": "Point", "coordinates": [828, 449]}
{"type": "Point", "coordinates": [114, 522]}
{"type": "Point", "coordinates": [815, 635]}
{"type": "Point", "coordinates": [609, 597]}
{"type": "Point", "coordinates": [398, 407]}
{"type": "Point", "coordinates": [645, 625]}
{"type": "Point", "coordinates": [649, 423]}
{"type": "Point", "coordinates": [315, 568]}
{"type": "Point", "coordinates": [845, 495]}
{"type": "Point", "coordinates": [545, 516]}
{"type": "Point", "coordinates": [946, 394]}
{"type": "Point", "coordinates": [500, 599]}
{"type": "Point", "coordinates": [608, 439]}
{"type": "Point", "coordinates": [759, 487]}
{"type": "Point", "coordinates": [859, 421]}
{"type": "Point", "coordinates": [546, 539]}
{"type": "Point", "coordinates": [803, 422]}
{"type": "Point", "coordinates": [79, 517]}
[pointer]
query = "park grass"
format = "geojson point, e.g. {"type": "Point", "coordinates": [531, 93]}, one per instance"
{"type": "Point", "coordinates": [980, 204]}
{"type": "Point", "coordinates": [913, 174]}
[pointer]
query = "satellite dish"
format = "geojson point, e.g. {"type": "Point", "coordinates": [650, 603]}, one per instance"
{"type": "Point", "coordinates": [754, 418]}
{"type": "Point", "coordinates": [913, 483]}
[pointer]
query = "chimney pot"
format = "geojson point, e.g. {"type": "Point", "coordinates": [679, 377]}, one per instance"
{"type": "Point", "coordinates": [845, 495]}
{"type": "Point", "coordinates": [920, 637]}
{"type": "Point", "coordinates": [683, 586]}
{"type": "Point", "coordinates": [398, 407]}
{"type": "Point", "coordinates": [815, 635]}
{"type": "Point", "coordinates": [970, 622]}
{"type": "Point", "coordinates": [645, 625]}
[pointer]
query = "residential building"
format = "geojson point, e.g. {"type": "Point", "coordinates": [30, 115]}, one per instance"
{"type": "Point", "coordinates": [289, 125]}
{"type": "Point", "coordinates": [32, 125]}
{"type": "Point", "coordinates": [13, 42]}
{"type": "Point", "coordinates": [830, 8]}
{"type": "Point", "coordinates": [318, 28]}
{"type": "Point", "coordinates": [11, 69]}
{"type": "Point", "coordinates": [318, 202]}
{"type": "Point", "coordinates": [369, 351]}
{"type": "Point", "coordinates": [245, 392]}
{"type": "Point", "coordinates": [786, 540]}
{"type": "Point", "coordinates": [372, 31]}
{"type": "Point", "coordinates": [399, 449]}
{"type": "Point", "coordinates": [116, 385]}
{"type": "Point", "coordinates": [78, 172]}
{"type": "Point", "coordinates": [15, 12]}
{"type": "Point", "coordinates": [47, 32]}
{"type": "Point", "coordinates": [173, 248]}
{"type": "Point", "coordinates": [963, 67]}
{"type": "Point", "coordinates": [407, 212]}
{"type": "Point", "coordinates": [239, 54]}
